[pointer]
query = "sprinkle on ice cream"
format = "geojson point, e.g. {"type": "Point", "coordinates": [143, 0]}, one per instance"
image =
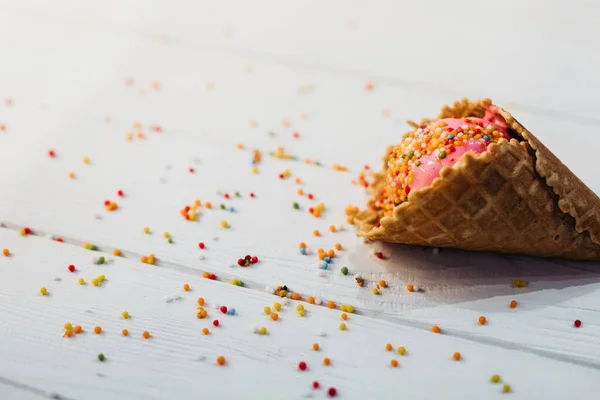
{"type": "Point", "coordinates": [423, 152]}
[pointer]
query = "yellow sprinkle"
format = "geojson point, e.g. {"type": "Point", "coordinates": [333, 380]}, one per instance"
{"type": "Point", "coordinates": [299, 307]}
{"type": "Point", "coordinates": [349, 308]}
{"type": "Point", "coordinates": [146, 230]}
{"type": "Point", "coordinates": [375, 290]}
{"type": "Point", "coordinates": [234, 281]}
{"type": "Point", "coordinates": [192, 216]}
{"type": "Point", "coordinates": [505, 388]}
{"type": "Point", "coordinates": [267, 310]}
{"type": "Point", "coordinates": [101, 278]}
{"type": "Point", "coordinates": [301, 312]}
{"type": "Point", "coordinates": [81, 281]}
{"type": "Point", "coordinates": [342, 326]}
{"type": "Point", "coordinates": [22, 232]}
{"type": "Point", "coordinates": [254, 170]}
{"type": "Point", "coordinates": [224, 224]}
{"type": "Point", "coordinates": [86, 160]}
{"type": "Point", "coordinates": [95, 282]}
{"type": "Point", "coordinates": [402, 350]}
{"type": "Point", "coordinates": [343, 307]}
{"type": "Point", "coordinates": [125, 315]}
{"type": "Point", "coordinates": [43, 291]}
{"type": "Point", "coordinates": [495, 378]}
{"type": "Point", "coordinates": [68, 326]}
{"type": "Point", "coordinates": [87, 246]}
{"type": "Point", "coordinates": [262, 331]}
{"type": "Point", "coordinates": [166, 235]}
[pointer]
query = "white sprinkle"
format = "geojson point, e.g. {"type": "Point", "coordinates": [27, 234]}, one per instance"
{"type": "Point", "coordinates": [284, 301]}
{"type": "Point", "coordinates": [435, 251]}
{"type": "Point", "coordinates": [216, 306]}
{"type": "Point", "coordinates": [318, 301]}
{"type": "Point", "coordinates": [288, 295]}
{"type": "Point", "coordinates": [322, 333]}
{"type": "Point", "coordinates": [201, 258]}
{"type": "Point", "coordinates": [321, 273]}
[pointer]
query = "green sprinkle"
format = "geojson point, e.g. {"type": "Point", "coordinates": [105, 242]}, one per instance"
{"type": "Point", "coordinates": [237, 194]}
{"type": "Point", "coordinates": [272, 133]}
{"type": "Point", "coordinates": [442, 155]}
{"type": "Point", "coordinates": [101, 357]}
{"type": "Point", "coordinates": [410, 154]}
{"type": "Point", "coordinates": [101, 260]}
{"type": "Point", "coordinates": [418, 163]}
{"type": "Point", "coordinates": [240, 283]}
{"type": "Point", "coordinates": [222, 206]}
{"type": "Point", "coordinates": [272, 153]}
{"type": "Point", "coordinates": [318, 163]}
{"type": "Point", "coordinates": [170, 240]}
{"type": "Point", "coordinates": [93, 247]}
{"type": "Point", "coordinates": [296, 205]}
{"type": "Point", "coordinates": [345, 270]}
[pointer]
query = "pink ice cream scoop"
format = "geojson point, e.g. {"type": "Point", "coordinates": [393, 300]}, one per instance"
{"type": "Point", "coordinates": [430, 165]}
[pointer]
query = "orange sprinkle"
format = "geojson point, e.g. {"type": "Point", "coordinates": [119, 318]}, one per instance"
{"type": "Point", "coordinates": [513, 304]}
{"type": "Point", "coordinates": [482, 320]}
{"type": "Point", "coordinates": [297, 180]}
{"type": "Point", "coordinates": [221, 360]}
{"type": "Point", "coordinates": [338, 246]}
{"type": "Point", "coordinates": [274, 316]}
{"type": "Point", "coordinates": [316, 232]}
{"type": "Point", "coordinates": [205, 275]}
{"type": "Point", "coordinates": [316, 346]}
{"type": "Point", "coordinates": [369, 86]}
{"type": "Point", "coordinates": [72, 175]}
{"type": "Point", "coordinates": [326, 361]}
{"type": "Point", "coordinates": [300, 192]}
{"type": "Point", "coordinates": [208, 205]}
{"type": "Point", "coordinates": [68, 333]}
{"type": "Point", "coordinates": [311, 300]}
{"type": "Point", "coordinates": [239, 146]}
{"type": "Point", "coordinates": [382, 283]}
{"type": "Point", "coordinates": [332, 228]}
{"type": "Point", "coordinates": [140, 135]}
{"type": "Point", "coordinates": [124, 332]}
{"type": "Point", "coordinates": [322, 256]}
{"type": "Point", "coordinates": [144, 259]}
{"type": "Point", "coordinates": [410, 288]}
{"type": "Point", "coordinates": [394, 363]}
{"type": "Point", "coordinates": [330, 253]}
{"type": "Point", "coordinates": [389, 347]}
{"type": "Point", "coordinates": [186, 287]}
{"type": "Point", "coordinates": [6, 252]}
{"type": "Point", "coordinates": [78, 329]}
{"type": "Point", "coordinates": [146, 335]}
{"type": "Point", "coordinates": [201, 301]}
{"type": "Point", "coordinates": [97, 330]}
{"type": "Point", "coordinates": [330, 304]}
{"type": "Point", "coordinates": [130, 136]}
{"type": "Point", "coordinates": [197, 203]}
{"type": "Point", "coordinates": [296, 296]}
{"type": "Point", "coordinates": [350, 220]}
{"type": "Point", "coordinates": [205, 331]}
{"type": "Point", "coordinates": [344, 316]}
{"type": "Point", "coordinates": [435, 329]}
{"type": "Point", "coordinates": [116, 252]}
{"type": "Point", "coordinates": [456, 356]}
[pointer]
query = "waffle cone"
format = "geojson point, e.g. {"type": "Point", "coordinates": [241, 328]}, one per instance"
{"type": "Point", "coordinates": [517, 197]}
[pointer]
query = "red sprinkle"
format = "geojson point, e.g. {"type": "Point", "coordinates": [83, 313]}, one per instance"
{"type": "Point", "coordinates": [224, 311]}
{"type": "Point", "coordinates": [187, 208]}
{"type": "Point", "coordinates": [201, 245]}
{"type": "Point", "coordinates": [59, 240]}
{"type": "Point", "coordinates": [332, 392]}
{"type": "Point", "coordinates": [120, 193]}
{"type": "Point", "coordinates": [212, 276]}
{"type": "Point", "coordinates": [216, 322]}
{"type": "Point", "coordinates": [310, 196]}
{"type": "Point", "coordinates": [281, 176]}
{"type": "Point", "coordinates": [577, 323]}
{"type": "Point", "coordinates": [379, 254]}
{"type": "Point", "coordinates": [316, 385]}
{"type": "Point", "coordinates": [302, 366]}
{"type": "Point", "coordinates": [106, 202]}
{"type": "Point", "coordinates": [51, 153]}
{"type": "Point", "coordinates": [157, 128]}
{"type": "Point", "coordinates": [226, 195]}
{"type": "Point", "coordinates": [191, 170]}
{"type": "Point", "coordinates": [251, 194]}
{"type": "Point", "coordinates": [296, 135]}
{"type": "Point", "coordinates": [311, 210]}
{"type": "Point", "coordinates": [241, 262]}
{"type": "Point", "coordinates": [27, 231]}
{"type": "Point", "coordinates": [71, 268]}
{"type": "Point", "coordinates": [254, 259]}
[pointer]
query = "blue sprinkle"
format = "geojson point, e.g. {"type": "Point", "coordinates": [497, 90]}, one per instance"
{"type": "Point", "coordinates": [486, 138]}
{"type": "Point", "coordinates": [327, 259]}
{"type": "Point", "coordinates": [303, 250]}
{"type": "Point", "coordinates": [231, 311]}
{"type": "Point", "coordinates": [324, 265]}
{"type": "Point", "coordinates": [294, 158]}
{"type": "Point", "coordinates": [231, 209]}
{"type": "Point", "coordinates": [450, 137]}
{"type": "Point", "coordinates": [420, 131]}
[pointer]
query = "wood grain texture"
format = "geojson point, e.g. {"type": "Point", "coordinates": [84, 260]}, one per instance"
{"type": "Point", "coordinates": [220, 66]}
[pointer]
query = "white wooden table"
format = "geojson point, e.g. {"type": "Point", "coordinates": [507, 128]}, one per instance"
{"type": "Point", "coordinates": [76, 77]}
